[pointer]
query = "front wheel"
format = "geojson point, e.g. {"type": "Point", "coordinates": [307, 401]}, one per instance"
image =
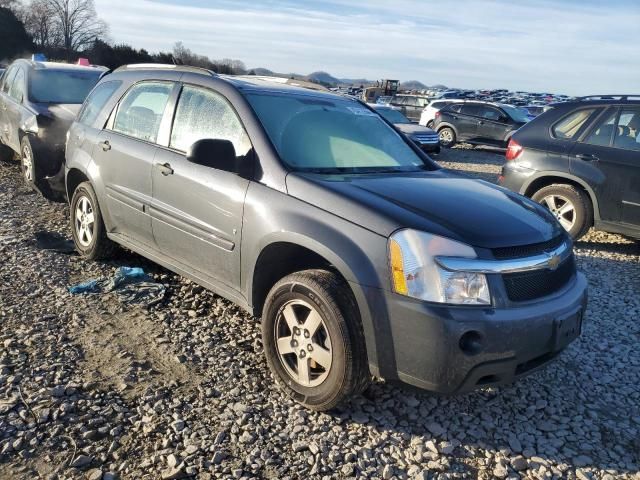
{"type": "Point", "coordinates": [28, 163]}
{"type": "Point", "coordinates": [313, 339]}
{"type": "Point", "coordinates": [447, 137]}
{"type": "Point", "coordinates": [570, 205]}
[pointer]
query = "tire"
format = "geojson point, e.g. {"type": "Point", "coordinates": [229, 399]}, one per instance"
{"type": "Point", "coordinates": [447, 137]}
{"type": "Point", "coordinates": [89, 232]}
{"type": "Point", "coordinates": [332, 349]}
{"type": "Point", "coordinates": [570, 205]}
{"type": "Point", "coordinates": [28, 166]}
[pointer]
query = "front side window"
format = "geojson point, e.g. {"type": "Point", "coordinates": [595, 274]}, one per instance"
{"type": "Point", "coordinates": [568, 127]}
{"type": "Point", "coordinates": [490, 113]}
{"type": "Point", "coordinates": [140, 112]}
{"type": "Point", "coordinates": [326, 134]}
{"type": "Point", "coordinates": [628, 131]}
{"type": "Point", "coordinates": [96, 101]}
{"type": "Point", "coordinates": [62, 86]}
{"type": "Point", "coordinates": [603, 132]}
{"type": "Point", "coordinates": [17, 88]}
{"type": "Point", "coordinates": [203, 114]}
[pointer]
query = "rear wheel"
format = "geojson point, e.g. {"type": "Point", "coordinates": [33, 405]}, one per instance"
{"type": "Point", "coordinates": [429, 124]}
{"type": "Point", "coordinates": [313, 339]}
{"type": "Point", "coordinates": [87, 226]}
{"type": "Point", "coordinates": [570, 205]}
{"type": "Point", "coordinates": [447, 137]}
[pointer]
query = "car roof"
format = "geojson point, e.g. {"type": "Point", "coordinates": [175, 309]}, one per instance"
{"type": "Point", "coordinates": [245, 83]}
{"type": "Point", "coordinates": [601, 100]}
{"type": "Point", "coordinates": [58, 66]}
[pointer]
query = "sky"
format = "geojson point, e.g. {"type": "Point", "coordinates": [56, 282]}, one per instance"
{"type": "Point", "coordinates": [561, 46]}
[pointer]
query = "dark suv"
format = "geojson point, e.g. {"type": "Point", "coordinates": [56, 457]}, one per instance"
{"type": "Point", "coordinates": [361, 255]}
{"type": "Point", "coordinates": [581, 159]}
{"type": "Point", "coordinates": [481, 123]}
{"type": "Point", "coordinates": [38, 103]}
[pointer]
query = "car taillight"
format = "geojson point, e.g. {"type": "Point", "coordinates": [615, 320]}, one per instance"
{"type": "Point", "coordinates": [514, 150]}
{"type": "Point", "coordinates": [437, 114]}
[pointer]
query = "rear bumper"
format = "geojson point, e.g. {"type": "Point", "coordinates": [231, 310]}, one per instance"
{"type": "Point", "coordinates": [515, 177]}
{"type": "Point", "coordinates": [424, 343]}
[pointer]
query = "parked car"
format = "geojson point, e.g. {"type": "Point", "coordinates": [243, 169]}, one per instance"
{"type": "Point", "coordinates": [581, 159]}
{"type": "Point", "coordinates": [426, 138]}
{"type": "Point", "coordinates": [481, 123]}
{"type": "Point", "coordinates": [411, 106]}
{"type": "Point", "coordinates": [360, 254]}
{"type": "Point", "coordinates": [535, 110]}
{"type": "Point", "coordinates": [428, 115]}
{"type": "Point", "coordinates": [38, 103]}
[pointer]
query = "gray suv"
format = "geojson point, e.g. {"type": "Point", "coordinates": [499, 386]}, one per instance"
{"type": "Point", "coordinates": [362, 256]}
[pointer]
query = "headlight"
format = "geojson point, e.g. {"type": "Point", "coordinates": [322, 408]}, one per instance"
{"type": "Point", "coordinates": [416, 274]}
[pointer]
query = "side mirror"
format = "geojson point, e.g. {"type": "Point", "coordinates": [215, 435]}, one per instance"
{"type": "Point", "coordinates": [214, 153]}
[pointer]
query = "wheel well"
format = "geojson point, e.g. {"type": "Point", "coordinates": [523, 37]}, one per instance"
{"type": "Point", "coordinates": [277, 261]}
{"type": "Point", "coordinates": [74, 178]}
{"type": "Point", "coordinates": [542, 182]}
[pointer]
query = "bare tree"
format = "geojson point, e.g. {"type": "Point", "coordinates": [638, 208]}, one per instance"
{"type": "Point", "coordinates": [78, 23]}
{"type": "Point", "coordinates": [38, 22]}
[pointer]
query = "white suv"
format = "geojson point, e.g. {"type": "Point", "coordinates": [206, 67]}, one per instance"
{"type": "Point", "coordinates": [429, 113]}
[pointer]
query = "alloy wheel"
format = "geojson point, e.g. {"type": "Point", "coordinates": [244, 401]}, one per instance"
{"type": "Point", "coordinates": [27, 164]}
{"type": "Point", "coordinates": [84, 221]}
{"type": "Point", "coordinates": [562, 208]}
{"type": "Point", "coordinates": [446, 136]}
{"type": "Point", "coordinates": [303, 343]}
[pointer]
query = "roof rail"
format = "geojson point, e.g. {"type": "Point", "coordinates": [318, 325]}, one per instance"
{"type": "Point", "coordinates": [163, 66]}
{"type": "Point", "coordinates": [608, 97]}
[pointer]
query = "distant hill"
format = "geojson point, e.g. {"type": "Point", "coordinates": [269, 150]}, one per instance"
{"type": "Point", "coordinates": [413, 85]}
{"type": "Point", "coordinates": [329, 80]}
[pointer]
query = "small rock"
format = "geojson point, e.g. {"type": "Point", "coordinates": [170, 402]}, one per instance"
{"type": "Point", "coordinates": [500, 471]}
{"type": "Point", "coordinates": [432, 446]}
{"type": "Point", "coordinates": [80, 461]}
{"type": "Point", "coordinates": [218, 457]}
{"type": "Point", "coordinates": [582, 461]}
{"type": "Point", "coordinates": [519, 463]}
{"type": "Point", "coordinates": [387, 472]}
{"type": "Point", "coordinates": [173, 473]}
{"type": "Point", "coordinates": [95, 474]}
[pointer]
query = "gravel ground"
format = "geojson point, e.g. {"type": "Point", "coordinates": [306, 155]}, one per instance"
{"type": "Point", "coordinates": [90, 388]}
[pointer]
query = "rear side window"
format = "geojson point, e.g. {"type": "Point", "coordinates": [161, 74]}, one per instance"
{"type": "Point", "coordinates": [140, 112]}
{"type": "Point", "coordinates": [568, 127]}
{"type": "Point", "coordinates": [455, 108]}
{"type": "Point", "coordinates": [603, 132]}
{"type": "Point", "coordinates": [628, 131]}
{"type": "Point", "coordinates": [438, 104]}
{"type": "Point", "coordinates": [471, 110]}
{"type": "Point", "coordinates": [96, 101]}
{"type": "Point", "coordinates": [203, 114]}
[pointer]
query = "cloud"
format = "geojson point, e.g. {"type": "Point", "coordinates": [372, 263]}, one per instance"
{"type": "Point", "coordinates": [545, 45]}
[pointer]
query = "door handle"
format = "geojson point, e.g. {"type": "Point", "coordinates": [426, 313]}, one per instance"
{"type": "Point", "coordinates": [165, 168]}
{"type": "Point", "coordinates": [106, 146]}
{"type": "Point", "coordinates": [587, 157]}
{"type": "Point", "coordinates": [480, 122]}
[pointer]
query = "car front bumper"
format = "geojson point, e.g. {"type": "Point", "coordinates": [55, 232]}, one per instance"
{"type": "Point", "coordinates": [424, 342]}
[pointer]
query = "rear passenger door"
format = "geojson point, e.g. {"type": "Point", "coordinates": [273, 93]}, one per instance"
{"type": "Point", "coordinates": [197, 210]}
{"type": "Point", "coordinates": [124, 154]}
{"type": "Point", "coordinates": [612, 148]}
{"type": "Point", "coordinates": [467, 121]}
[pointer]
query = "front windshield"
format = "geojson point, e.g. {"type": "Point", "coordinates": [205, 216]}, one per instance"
{"type": "Point", "coordinates": [324, 134]}
{"type": "Point", "coordinates": [393, 116]}
{"type": "Point", "coordinates": [515, 113]}
{"type": "Point", "coordinates": [61, 86]}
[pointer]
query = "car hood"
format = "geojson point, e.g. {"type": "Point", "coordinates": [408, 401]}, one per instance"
{"type": "Point", "coordinates": [441, 202]}
{"type": "Point", "coordinates": [411, 129]}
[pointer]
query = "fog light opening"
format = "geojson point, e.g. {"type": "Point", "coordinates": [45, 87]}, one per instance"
{"type": "Point", "coordinates": [471, 343]}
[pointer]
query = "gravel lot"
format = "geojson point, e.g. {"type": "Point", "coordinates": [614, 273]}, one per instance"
{"type": "Point", "coordinates": [90, 388]}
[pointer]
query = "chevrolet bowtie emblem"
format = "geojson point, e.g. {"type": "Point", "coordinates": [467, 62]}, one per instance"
{"type": "Point", "coordinates": [553, 261]}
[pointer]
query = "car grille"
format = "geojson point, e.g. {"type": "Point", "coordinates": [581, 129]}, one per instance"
{"type": "Point", "coordinates": [539, 283]}
{"type": "Point", "coordinates": [527, 250]}
{"type": "Point", "coordinates": [431, 138]}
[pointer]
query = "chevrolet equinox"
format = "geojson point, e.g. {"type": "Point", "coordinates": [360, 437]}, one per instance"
{"type": "Point", "coordinates": [360, 254]}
